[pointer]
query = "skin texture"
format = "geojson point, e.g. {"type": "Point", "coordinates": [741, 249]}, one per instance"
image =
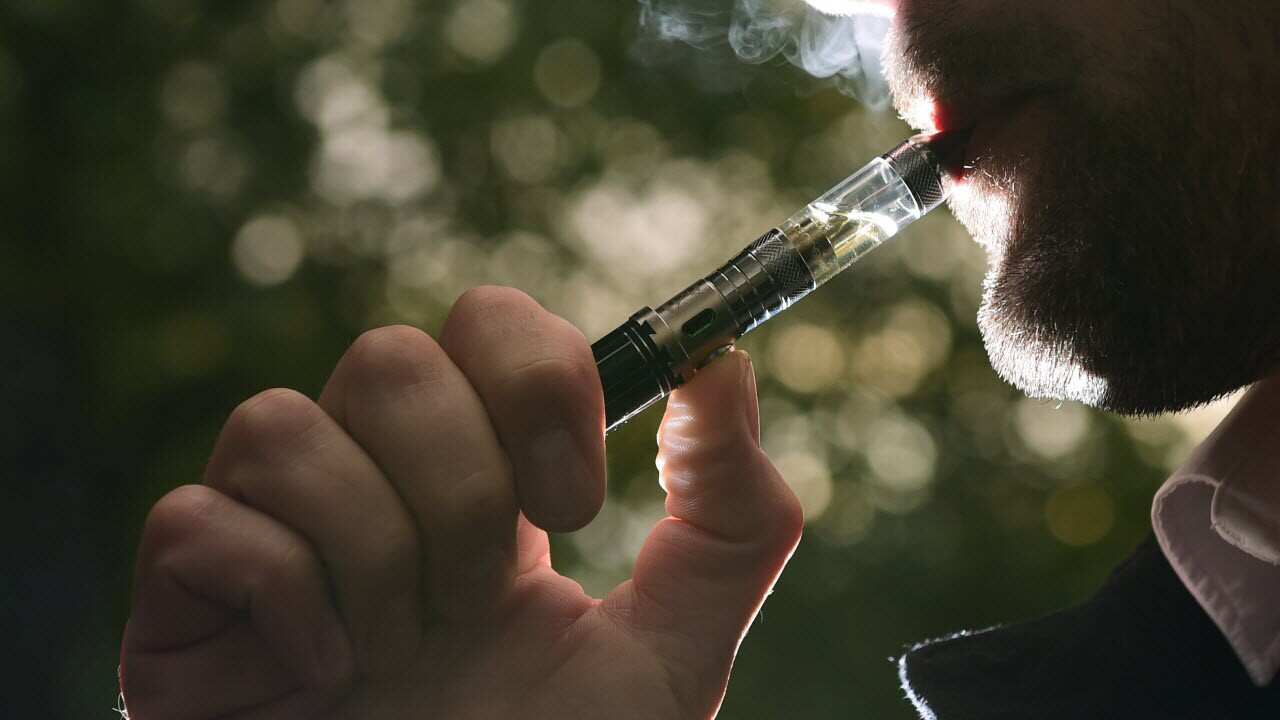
{"type": "Point", "coordinates": [382, 553]}
{"type": "Point", "coordinates": [1122, 177]}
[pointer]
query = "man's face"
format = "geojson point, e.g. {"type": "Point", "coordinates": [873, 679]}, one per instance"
{"type": "Point", "coordinates": [1122, 175]}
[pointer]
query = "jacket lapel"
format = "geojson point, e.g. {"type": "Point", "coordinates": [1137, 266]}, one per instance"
{"type": "Point", "coordinates": [1140, 648]}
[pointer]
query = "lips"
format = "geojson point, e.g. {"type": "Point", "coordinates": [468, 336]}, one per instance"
{"type": "Point", "coordinates": [967, 129]}
{"type": "Point", "coordinates": [998, 82]}
{"type": "Point", "coordinates": [958, 114]}
{"type": "Point", "coordinates": [950, 147]}
{"type": "Point", "coordinates": [965, 106]}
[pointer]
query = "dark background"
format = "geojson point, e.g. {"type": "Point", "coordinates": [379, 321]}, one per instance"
{"type": "Point", "coordinates": [200, 200]}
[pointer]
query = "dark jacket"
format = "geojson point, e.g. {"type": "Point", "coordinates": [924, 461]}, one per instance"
{"type": "Point", "coordinates": [1140, 648]}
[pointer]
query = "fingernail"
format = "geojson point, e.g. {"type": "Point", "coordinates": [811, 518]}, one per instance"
{"type": "Point", "coordinates": [752, 408]}
{"type": "Point", "coordinates": [554, 453]}
{"type": "Point", "coordinates": [560, 470]}
{"type": "Point", "coordinates": [748, 377]}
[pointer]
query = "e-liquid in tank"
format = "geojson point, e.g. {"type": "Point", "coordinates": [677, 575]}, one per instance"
{"type": "Point", "coordinates": [657, 350]}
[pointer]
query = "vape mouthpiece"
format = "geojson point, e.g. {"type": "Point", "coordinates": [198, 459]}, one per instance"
{"type": "Point", "coordinates": [656, 351]}
{"type": "Point", "coordinates": [921, 171]}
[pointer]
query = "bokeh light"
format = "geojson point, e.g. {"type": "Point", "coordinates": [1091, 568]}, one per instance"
{"type": "Point", "coordinates": [810, 479]}
{"type": "Point", "coordinates": [214, 165]}
{"type": "Point", "coordinates": [567, 73]}
{"type": "Point", "coordinates": [912, 341]}
{"type": "Point", "coordinates": [902, 457]}
{"type": "Point", "coordinates": [193, 96]}
{"type": "Point", "coordinates": [1080, 515]}
{"type": "Point", "coordinates": [377, 22]}
{"type": "Point", "coordinates": [850, 516]}
{"type": "Point", "coordinates": [481, 31]}
{"type": "Point", "coordinates": [268, 250]}
{"type": "Point", "coordinates": [806, 358]}
{"type": "Point", "coordinates": [530, 148]}
{"type": "Point", "coordinates": [1051, 430]}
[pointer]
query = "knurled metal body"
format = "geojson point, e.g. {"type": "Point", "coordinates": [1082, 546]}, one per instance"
{"type": "Point", "coordinates": [917, 165]}
{"type": "Point", "coordinates": [656, 351]}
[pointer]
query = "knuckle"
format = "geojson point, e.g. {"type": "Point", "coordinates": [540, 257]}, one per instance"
{"type": "Point", "coordinates": [392, 559]}
{"type": "Point", "coordinates": [487, 312]}
{"type": "Point", "coordinates": [264, 422]}
{"type": "Point", "coordinates": [791, 516]}
{"type": "Point", "coordinates": [788, 513]}
{"type": "Point", "coordinates": [177, 517]}
{"type": "Point", "coordinates": [708, 454]}
{"type": "Point", "coordinates": [292, 565]}
{"type": "Point", "coordinates": [487, 301]}
{"type": "Point", "coordinates": [556, 355]}
{"type": "Point", "coordinates": [479, 500]}
{"type": "Point", "coordinates": [564, 371]}
{"type": "Point", "coordinates": [559, 385]}
{"type": "Point", "coordinates": [563, 368]}
{"type": "Point", "coordinates": [393, 358]}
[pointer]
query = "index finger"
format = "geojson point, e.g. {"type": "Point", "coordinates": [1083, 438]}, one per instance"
{"type": "Point", "coordinates": [538, 380]}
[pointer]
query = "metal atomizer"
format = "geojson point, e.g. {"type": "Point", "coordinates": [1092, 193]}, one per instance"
{"type": "Point", "coordinates": [658, 350]}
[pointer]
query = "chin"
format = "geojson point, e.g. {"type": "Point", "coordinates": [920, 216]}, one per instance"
{"type": "Point", "coordinates": [1110, 281]}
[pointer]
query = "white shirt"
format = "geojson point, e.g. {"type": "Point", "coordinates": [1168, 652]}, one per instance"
{"type": "Point", "coordinates": [1217, 518]}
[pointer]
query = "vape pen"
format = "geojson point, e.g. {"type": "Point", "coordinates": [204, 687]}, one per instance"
{"type": "Point", "coordinates": [657, 350]}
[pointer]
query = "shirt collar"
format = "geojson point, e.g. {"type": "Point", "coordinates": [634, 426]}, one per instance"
{"type": "Point", "coordinates": [1217, 519]}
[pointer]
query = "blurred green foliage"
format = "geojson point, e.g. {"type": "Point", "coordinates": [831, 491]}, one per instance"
{"type": "Point", "coordinates": [204, 199]}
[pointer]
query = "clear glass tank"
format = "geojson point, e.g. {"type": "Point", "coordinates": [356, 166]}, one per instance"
{"type": "Point", "coordinates": [852, 219]}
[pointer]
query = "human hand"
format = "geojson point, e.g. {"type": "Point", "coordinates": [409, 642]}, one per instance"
{"type": "Point", "coordinates": [382, 553]}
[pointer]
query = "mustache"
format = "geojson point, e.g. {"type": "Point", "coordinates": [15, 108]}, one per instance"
{"type": "Point", "coordinates": [968, 63]}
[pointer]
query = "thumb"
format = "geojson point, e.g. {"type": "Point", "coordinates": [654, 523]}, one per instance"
{"type": "Point", "coordinates": [704, 572]}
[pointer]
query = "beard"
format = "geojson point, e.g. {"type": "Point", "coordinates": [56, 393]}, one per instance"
{"type": "Point", "coordinates": [1116, 280]}
{"type": "Point", "coordinates": [1133, 246]}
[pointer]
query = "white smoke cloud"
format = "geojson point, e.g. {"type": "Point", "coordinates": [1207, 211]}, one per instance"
{"type": "Point", "coordinates": [836, 40]}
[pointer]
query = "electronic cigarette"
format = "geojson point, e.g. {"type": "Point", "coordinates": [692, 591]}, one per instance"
{"type": "Point", "coordinates": [657, 350]}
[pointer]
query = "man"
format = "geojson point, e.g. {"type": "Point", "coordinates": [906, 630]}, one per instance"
{"type": "Point", "coordinates": [382, 552]}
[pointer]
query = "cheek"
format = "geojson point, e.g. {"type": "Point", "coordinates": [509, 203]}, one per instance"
{"type": "Point", "coordinates": [1110, 26]}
